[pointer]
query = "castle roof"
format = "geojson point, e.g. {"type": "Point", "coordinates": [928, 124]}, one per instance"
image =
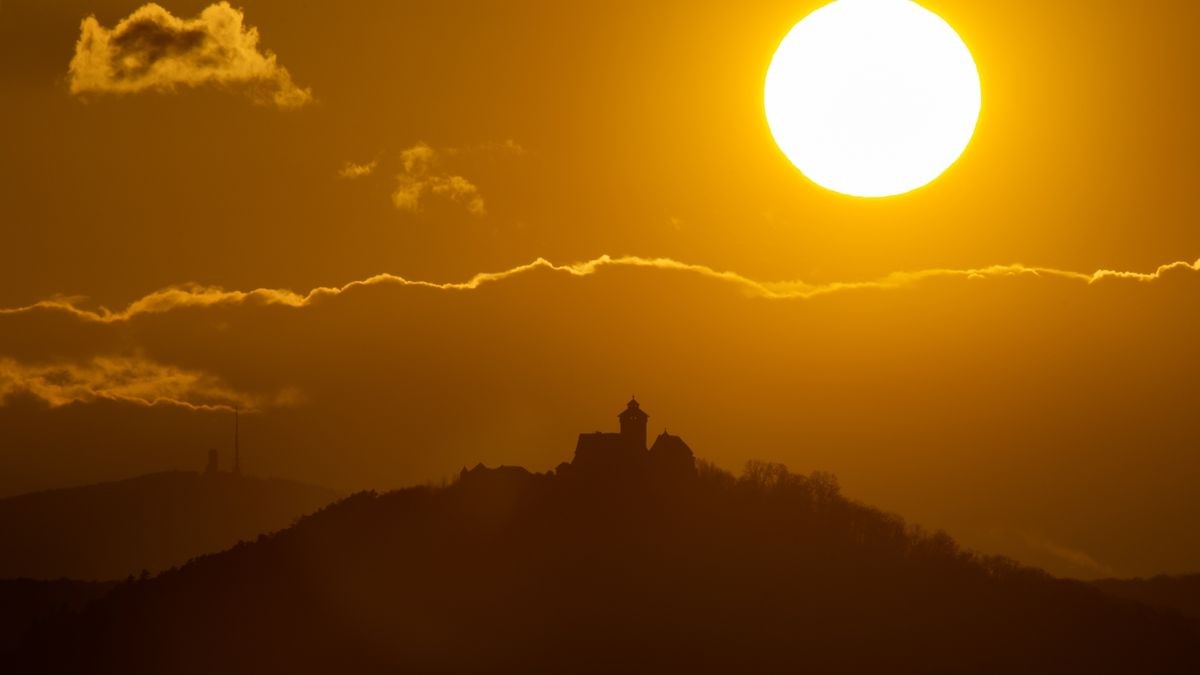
{"type": "Point", "coordinates": [633, 410]}
{"type": "Point", "coordinates": [671, 444]}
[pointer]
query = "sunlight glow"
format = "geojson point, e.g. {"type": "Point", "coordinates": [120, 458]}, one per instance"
{"type": "Point", "coordinates": [872, 98]}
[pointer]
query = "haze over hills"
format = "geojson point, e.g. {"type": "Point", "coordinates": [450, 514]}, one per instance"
{"type": "Point", "coordinates": [945, 252]}
{"type": "Point", "coordinates": [913, 397]}
{"type": "Point", "coordinates": [112, 530]}
{"type": "Point", "coordinates": [625, 559]}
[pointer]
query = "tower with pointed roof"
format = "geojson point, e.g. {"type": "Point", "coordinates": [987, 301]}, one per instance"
{"type": "Point", "coordinates": [624, 454]}
{"type": "Point", "coordinates": [633, 425]}
{"type": "Point", "coordinates": [237, 452]}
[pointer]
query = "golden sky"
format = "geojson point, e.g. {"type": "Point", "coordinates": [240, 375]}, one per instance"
{"type": "Point", "coordinates": [952, 354]}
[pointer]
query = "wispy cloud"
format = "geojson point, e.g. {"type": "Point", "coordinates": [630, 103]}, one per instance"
{"type": "Point", "coordinates": [421, 176]}
{"type": "Point", "coordinates": [153, 50]}
{"type": "Point", "coordinates": [185, 296]}
{"type": "Point", "coordinates": [423, 173]}
{"type": "Point", "coordinates": [1072, 556]}
{"type": "Point", "coordinates": [355, 170]}
{"type": "Point", "coordinates": [124, 378]}
{"type": "Point", "coordinates": [506, 147]}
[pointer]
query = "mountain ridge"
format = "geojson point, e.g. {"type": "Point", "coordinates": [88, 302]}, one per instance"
{"type": "Point", "coordinates": [105, 531]}
{"type": "Point", "coordinates": [511, 571]}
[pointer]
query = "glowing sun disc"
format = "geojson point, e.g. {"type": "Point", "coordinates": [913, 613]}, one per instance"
{"type": "Point", "coordinates": [872, 98]}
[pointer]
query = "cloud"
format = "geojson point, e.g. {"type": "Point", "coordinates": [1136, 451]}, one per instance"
{"type": "Point", "coordinates": [506, 147]}
{"type": "Point", "coordinates": [123, 378]}
{"type": "Point", "coordinates": [419, 177]}
{"type": "Point", "coordinates": [184, 296]}
{"type": "Point", "coordinates": [458, 189]}
{"type": "Point", "coordinates": [1071, 556]}
{"type": "Point", "coordinates": [353, 170]}
{"type": "Point", "coordinates": [422, 174]}
{"type": "Point", "coordinates": [152, 50]}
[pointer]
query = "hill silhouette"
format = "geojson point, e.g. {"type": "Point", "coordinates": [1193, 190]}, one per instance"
{"type": "Point", "coordinates": [26, 602]}
{"type": "Point", "coordinates": [112, 530]}
{"type": "Point", "coordinates": [507, 571]}
{"type": "Point", "coordinates": [1179, 593]}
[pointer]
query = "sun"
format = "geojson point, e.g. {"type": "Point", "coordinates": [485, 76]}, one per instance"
{"type": "Point", "coordinates": [872, 98]}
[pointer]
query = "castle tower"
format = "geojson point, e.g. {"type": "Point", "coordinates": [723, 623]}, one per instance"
{"type": "Point", "coordinates": [633, 425]}
{"type": "Point", "coordinates": [237, 453]}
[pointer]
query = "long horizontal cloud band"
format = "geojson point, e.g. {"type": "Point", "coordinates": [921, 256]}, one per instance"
{"type": "Point", "coordinates": [180, 297]}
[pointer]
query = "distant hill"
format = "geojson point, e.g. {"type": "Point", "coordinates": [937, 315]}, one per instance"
{"type": "Point", "coordinates": [1178, 593]}
{"type": "Point", "coordinates": [511, 572]}
{"type": "Point", "coordinates": [112, 530]}
{"type": "Point", "coordinates": [25, 602]}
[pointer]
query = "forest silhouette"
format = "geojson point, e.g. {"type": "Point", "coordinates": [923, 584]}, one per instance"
{"type": "Point", "coordinates": [696, 570]}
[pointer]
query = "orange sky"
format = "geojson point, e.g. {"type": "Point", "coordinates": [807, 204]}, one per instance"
{"type": "Point", "coordinates": [1030, 413]}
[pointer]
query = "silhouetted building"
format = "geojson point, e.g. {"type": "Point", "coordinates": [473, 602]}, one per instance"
{"type": "Point", "coordinates": [512, 473]}
{"type": "Point", "coordinates": [607, 456]}
{"type": "Point", "coordinates": [633, 424]}
{"type": "Point", "coordinates": [670, 456]}
{"type": "Point", "coordinates": [237, 452]}
{"type": "Point", "coordinates": [213, 466]}
{"type": "Point", "coordinates": [624, 452]}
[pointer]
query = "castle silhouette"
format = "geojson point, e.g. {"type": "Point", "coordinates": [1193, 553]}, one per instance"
{"type": "Point", "coordinates": [617, 455]}
{"type": "Point", "coordinates": [625, 451]}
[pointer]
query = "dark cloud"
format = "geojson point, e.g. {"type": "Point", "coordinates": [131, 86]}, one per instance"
{"type": "Point", "coordinates": [152, 49]}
